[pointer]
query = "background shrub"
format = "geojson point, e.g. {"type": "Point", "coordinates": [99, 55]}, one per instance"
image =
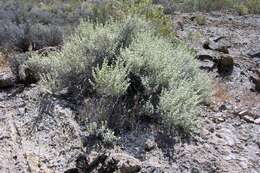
{"type": "Point", "coordinates": [241, 6]}
{"type": "Point", "coordinates": [253, 6]}
{"type": "Point", "coordinates": [104, 11]}
{"type": "Point", "coordinates": [12, 36]}
{"type": "Point", "coordinates": [242, 9]}
{"type": "Point", "coordinates": [41, 36]}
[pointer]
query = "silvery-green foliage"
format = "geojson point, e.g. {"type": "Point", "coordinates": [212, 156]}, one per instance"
{"type": "Point", "coordinates": [112, 79]}
{"type": "Point", "coordinates": [175, 70]}
{"type": "Point", "coordinates": [78, 55]}
{"type": "Point", "coordinates": [108, 55]}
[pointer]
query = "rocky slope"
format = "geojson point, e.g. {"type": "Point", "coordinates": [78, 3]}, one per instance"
{"type": "Point", "coordinates": [34, 139]}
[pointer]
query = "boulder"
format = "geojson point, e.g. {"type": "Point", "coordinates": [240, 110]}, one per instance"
{"type": "Point", "coordinates": [126, 163]}
{"type": "Point", "coordinates": [150, 145]}
{"type": "Point", "coordinates": [110, 161]}
{"type": "Point", "coordinates": [206, 59]}
{"type": "Point", "coordinates": [217, 45]}
{"type": "Point", "coordinates": [7, 78]}
{"type": "Point", "coordinates": [225, 64]}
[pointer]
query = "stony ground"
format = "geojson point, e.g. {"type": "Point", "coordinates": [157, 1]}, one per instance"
{"type": "Point", "coordinates": [228, 48]}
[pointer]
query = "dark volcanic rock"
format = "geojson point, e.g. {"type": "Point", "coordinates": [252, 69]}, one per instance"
{"type": "Point", "coordinates": [257, 83]}
{"type": "Point", "coordinates": [107, 162]}
{"type": "Point", "coordinates": [225, 64]}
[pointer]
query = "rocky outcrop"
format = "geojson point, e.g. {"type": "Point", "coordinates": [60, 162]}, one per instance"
{"type": "Point", "coordinates": [107, 162]}
{"type": "Point", "coordinates": [7, 78]}
{"type": "Point", "coordinates": [217, 45]}
{"type": "Point", "coordinates": [36, 138]}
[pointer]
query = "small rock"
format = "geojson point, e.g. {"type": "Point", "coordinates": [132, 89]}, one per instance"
{"type": "Point", "coordinates": [126, 163]}
{"type": "Point", "coordinates": [248, 119]}
{"type": "Point", "coordinates": [254, 54]}
{"type": "Point", "coordinates": [207, 65]}
{"type": "Point", "coordinates": [195, 170]}
{"type": "Point", "coordinates": [150, 145]}
{"type": "Point", "coordinates": [225, 64]}
{"type": "Point", "coordinates": [225, 106]}
{"type": "Point", "coordinates": [220, 47]}
{"type": "Point", "coordinates": [247, 113]}
{"type": "Point", "coordinates": [244, 112]}
{"type": "Point", "coordinates": [258, 72]}
{"type": "Point", "coordinates": [220, 119]}
{"type": "Point", "coordinates": [206, 58]}
{"type": "Point", "coordinates": [257, 84]}
{"type": "Point", "coordinates": [257, 121]}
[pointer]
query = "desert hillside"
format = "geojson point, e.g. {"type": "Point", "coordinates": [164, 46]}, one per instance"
{"type": "Point", "coordinates": [129, 86]}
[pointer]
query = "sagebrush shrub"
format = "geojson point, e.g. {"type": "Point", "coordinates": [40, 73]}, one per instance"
{"type": "Point", "coordinates": [84, 49]}
{"type": "Point", "coordinates": [135, 72]}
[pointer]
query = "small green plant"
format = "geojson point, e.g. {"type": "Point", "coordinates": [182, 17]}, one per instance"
{"type": "Point", "coordinates": [242, 9]}
{"type": "Point", "coordinates": [101, 132]}
{"type": "Point", "coordinates": [201, 20]}
{"type": "Point", "coordinates": [253, 6]}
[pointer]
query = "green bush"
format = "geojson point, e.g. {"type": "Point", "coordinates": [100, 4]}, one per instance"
{"type": "Point", "coordinates": [143, 71]}
{"type": "Point", "coordinates": [201, 20]}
